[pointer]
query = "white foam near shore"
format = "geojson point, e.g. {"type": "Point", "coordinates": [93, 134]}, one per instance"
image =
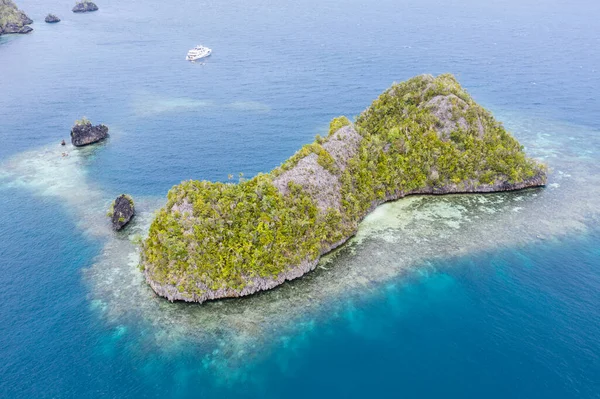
{"type": "Point", "coordinates": [397, 236]}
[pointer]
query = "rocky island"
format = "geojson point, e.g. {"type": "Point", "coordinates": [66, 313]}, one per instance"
{"type": "Point", "coordinates": [51, 19]}
{"type": "Point", "coordinates": [85, 6]}
{"type": "Point", "coordinates": [13, 20]}
{"type": "Point", "coordinates": [84, 133]}
{"type": "Point", "coordinates": [423, 136]}
{"type": "Point", "coordinates": [121, 211]}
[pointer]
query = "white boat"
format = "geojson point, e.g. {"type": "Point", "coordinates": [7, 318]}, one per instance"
{"type": "Point", "coordinates": [197, 53]}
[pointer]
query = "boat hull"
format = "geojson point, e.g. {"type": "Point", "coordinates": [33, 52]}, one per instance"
{"type": "Point", "coordinates": [193, 58]}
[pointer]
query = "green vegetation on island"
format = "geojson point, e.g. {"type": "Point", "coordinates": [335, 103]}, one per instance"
{"type": "Point", "coordinates": [84, 121]}
{"type": "Point", "coordinates": [425, 135]}
{"type": "Point", "coordinates": [236, 230]}
{"type": "Point", "coordinates": [338, 123]}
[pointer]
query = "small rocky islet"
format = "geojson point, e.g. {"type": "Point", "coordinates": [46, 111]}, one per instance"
{"type": "Point", "coordinates": [51, 19]}
{"type": "Point", "coordinates": [84, 133]}
{"type": "Point", "coordinates": [121, 211]}
{"type": "Point", "coordinates": [423, 136]}
{"type": "Point", "coordinates": [85, 6]}
{"type": "Point", "coordinates": [13, 20]}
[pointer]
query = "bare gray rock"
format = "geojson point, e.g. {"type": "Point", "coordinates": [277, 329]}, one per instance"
{"type": "Point", "coordinates": [85, 6]}
{"type": "Point", "coordinates": [83, 133]}
{"type": "Point", "coordinates": [122, 211]}
{"type": "Point", "coordinates": [323, 185]}
{"type": "Point", "coordinates": [342, 145]}
{"type": "Point", "coordinates": [51, 19]}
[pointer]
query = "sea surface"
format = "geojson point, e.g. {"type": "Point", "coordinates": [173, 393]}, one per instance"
{"type": "Point", "coordinates": [465, 296]}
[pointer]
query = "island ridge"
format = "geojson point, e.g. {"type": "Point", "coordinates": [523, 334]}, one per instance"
{"type": "Point", "coordinates": [422, 136]}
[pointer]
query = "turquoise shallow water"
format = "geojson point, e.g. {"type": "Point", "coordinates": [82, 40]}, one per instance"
{"type": "Point", "coordinates": [460, 296]}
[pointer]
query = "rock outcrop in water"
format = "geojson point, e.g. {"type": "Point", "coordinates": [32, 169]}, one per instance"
{"type": "Point", "coordinates": [83, 133]}
{"type": "Point", "coordinates": [51, 19]}
{"type": "Point", "coordinates": [85, 6]}
{"type": "Point", "coordinates": [422, 136]}
{"type": "Point", "coordinates": [121, 211]}
{"type": "Point", "coordinates": [13, 20]}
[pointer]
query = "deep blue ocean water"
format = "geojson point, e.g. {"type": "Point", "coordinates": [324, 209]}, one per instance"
{"type": "Point", "coordinates": [468, 296]}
